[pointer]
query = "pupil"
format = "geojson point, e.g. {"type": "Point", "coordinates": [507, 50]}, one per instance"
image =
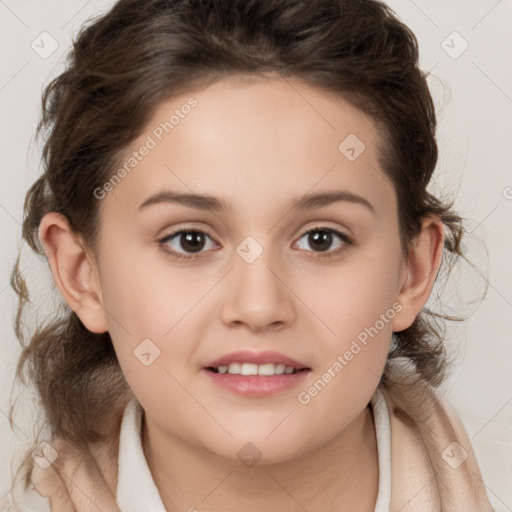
{"type": "Point", "coordinates": [322, 239]}
{"type": "Point", "coordinates": [194, 240]}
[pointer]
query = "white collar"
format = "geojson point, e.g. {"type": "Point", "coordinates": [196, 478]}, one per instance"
{"type": "Point", "coordinates": [383, 435]}
{"type": "Point", "coordinates": [136, 489]}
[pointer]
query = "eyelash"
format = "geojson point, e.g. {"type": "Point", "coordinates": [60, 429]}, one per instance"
{"type": "Point", "coordinates": [347, 241]}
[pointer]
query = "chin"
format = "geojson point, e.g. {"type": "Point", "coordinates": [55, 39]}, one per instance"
{"type": "Point", "coordinates": [258, 447]}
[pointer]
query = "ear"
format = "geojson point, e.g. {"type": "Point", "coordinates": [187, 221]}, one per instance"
{"type": "Point", "coordinates": [421, 268]}
{"type": "Point", "coordinates": [74, 271]}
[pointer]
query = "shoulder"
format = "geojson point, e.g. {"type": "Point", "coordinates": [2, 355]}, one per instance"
{"type": "Point", "coordinates": [433, 463]}
{"type": "Point", "coordinates": [78, 476]}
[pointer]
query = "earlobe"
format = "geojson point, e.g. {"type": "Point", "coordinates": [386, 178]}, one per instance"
{"type": "Point", "coordinates": [73, 271]}
{"type": "Point", "coordinates": [421, 268]}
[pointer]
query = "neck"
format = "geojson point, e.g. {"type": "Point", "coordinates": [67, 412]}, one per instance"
{"type": "Point", "coordinates": [340, 475]}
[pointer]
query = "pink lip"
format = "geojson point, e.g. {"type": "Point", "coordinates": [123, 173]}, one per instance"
{"type": "Point", "coordinates": [263, 357]}
{"type": "Point", "coordinates": [256, 385]}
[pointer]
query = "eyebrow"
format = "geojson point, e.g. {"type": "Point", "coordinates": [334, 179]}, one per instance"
{"type": "Point", "coordinates": [210, 203]}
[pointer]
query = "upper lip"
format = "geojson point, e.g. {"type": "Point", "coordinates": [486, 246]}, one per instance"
{"type": "Point", "coordinates": [261, 357]}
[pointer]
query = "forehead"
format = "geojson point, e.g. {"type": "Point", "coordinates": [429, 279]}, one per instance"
{"type": "Point", "coordinates": [244, 137]}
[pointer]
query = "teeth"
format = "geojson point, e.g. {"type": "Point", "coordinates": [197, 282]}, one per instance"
{"type": "Point", "coordinates": [267, 369]}
{"type": "Point", "coordinates": [247, 369]}
{"type": "Point", "coordinates": [234, 368]}
{"type": "Point", "coordinates": [280, 369]}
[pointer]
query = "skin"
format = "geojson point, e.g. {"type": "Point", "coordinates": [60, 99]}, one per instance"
{"type": "Point", "coordinates": [257, 144]}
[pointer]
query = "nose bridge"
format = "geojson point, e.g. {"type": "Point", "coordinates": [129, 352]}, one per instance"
{"type": "Point", "coordinates": [252, 267]}
{"type": "Point", "coordinates": [259, 297]}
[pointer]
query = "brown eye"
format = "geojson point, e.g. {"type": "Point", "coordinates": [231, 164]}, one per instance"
{"type": "Point", "coordinates": [192, 241]}
{"type": "Point", "coordinates": [186, 242]}
{"type": "Point", "coordinates": [322, 240]}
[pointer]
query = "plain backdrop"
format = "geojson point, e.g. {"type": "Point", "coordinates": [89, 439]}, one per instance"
{"type": "Point", "coordinates": [467, 46]}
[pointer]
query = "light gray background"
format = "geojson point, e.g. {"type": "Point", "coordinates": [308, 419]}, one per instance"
{"type": "Point", "coordinates": [473, 95]}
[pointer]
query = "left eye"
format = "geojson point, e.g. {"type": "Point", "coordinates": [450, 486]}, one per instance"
{"type": "Point", "coordinates": [321, 240]}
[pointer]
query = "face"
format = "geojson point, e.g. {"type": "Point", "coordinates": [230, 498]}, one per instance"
{"type": "Point", "coordinates": [257, 274]}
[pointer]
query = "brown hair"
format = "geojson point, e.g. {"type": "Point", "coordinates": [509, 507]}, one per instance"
{"type": "Point", "coordinates": [141, 52]}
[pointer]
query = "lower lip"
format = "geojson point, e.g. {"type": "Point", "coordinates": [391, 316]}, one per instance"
{"type": "Point", "coordinates": [257, 385]}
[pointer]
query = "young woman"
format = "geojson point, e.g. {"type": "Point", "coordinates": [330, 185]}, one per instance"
{"type": "Point", "coordinates": [235, 211]}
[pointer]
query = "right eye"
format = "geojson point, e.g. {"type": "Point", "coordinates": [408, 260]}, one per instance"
{"type": "Point", "coordinates": [190, 241]}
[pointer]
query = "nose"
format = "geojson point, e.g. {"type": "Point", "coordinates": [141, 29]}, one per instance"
{"type": "Point", "coordinates": [258, 296]}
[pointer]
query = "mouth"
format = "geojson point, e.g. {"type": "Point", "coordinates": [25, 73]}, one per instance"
{"type": "Point", "coordinates": [256, 374]}
{"type": "Point", "coordinates": [267, 369]}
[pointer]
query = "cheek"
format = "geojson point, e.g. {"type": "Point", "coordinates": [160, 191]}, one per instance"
{"type": "Point", "coordinates": [146, 321]}
{"type": "Point", "coordinates": [346, 378]}
{"type": "Point", "coordinates": [147, 294]}
{"type": "Point", "coordinates": [155, 313]}
{"type": "Point", "coordinates": [352, 296]}
{"type": "Point", "coordinates": [356, 303]}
